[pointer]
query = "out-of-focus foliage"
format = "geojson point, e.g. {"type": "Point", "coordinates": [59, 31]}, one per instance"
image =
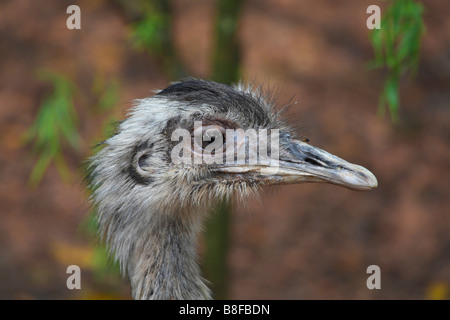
{"type": "Point", "coordinates": [397, 47]}
{"type": "Point", "coordinates": [226, 56]}
{"type": "Point", "coordinates": [152, 32]}
{"type": "Point", "coordinates": [54, 126]}
{"type": "Point", "coordinates": [107, 92]}
{"type": "Point", "coordinates": [438, 291]}
{"type": "Point", "coordinates": [101, 264]}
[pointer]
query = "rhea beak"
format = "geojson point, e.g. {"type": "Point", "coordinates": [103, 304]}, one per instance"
{"type": "Point", "coordinates": [300, 162]}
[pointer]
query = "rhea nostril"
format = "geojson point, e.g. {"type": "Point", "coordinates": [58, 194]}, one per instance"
{"type": "Point", "coordinates": [313, 162]}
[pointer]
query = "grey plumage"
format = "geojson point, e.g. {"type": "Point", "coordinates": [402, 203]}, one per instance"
{"type": "Point", "coordinates": [150, 210]}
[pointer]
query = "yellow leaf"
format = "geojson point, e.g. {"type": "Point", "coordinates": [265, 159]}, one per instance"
{"type": "Point", "coordinates": [68, 254]}
{"type": "Point", "coordinates": [438, 291]}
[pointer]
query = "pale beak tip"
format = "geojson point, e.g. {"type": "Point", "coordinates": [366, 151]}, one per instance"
{"type": "Point", "coordinates": [358, 178]}
{"type": "Point", "coordinates": [374, 183]}
{"type": "Point", "coordinates": [370, 181]}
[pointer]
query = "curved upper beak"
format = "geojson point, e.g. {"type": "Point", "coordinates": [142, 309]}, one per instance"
{"type": "Point", "coordinates": [299, 162]}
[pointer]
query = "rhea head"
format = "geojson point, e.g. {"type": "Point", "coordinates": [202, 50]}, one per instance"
{"type": "Point", "coordinates": [150, 207]}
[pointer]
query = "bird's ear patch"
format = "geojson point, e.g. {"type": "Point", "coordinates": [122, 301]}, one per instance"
{"type": "Point", "coordinates": [140, 171]}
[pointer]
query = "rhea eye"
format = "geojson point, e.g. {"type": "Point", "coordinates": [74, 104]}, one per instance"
{"type": "Point", "coordinates": [210, 138]}
{"type": "Point", "coordinates": [210, 141]}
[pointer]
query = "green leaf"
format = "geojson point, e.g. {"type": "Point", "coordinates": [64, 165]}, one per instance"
{"type": "Point", "coordinates": [54, 126]}
{"type": "Point", "coordinates": [39, 170]}
{"type": "Point", "coordinates": [392, 97]}
{"type": "Point", "coordinates": [397, 47]}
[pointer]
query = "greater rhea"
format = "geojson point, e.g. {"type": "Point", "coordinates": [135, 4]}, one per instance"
{"type": "Point", "coordinates": [151, 208]}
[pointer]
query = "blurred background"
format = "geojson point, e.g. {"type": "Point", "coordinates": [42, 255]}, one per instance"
{"type": "Point", "coordinates": [379, 99]}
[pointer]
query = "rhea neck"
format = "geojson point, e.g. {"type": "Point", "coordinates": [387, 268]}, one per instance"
{"type": "Point", "coordinates": [164, 261]}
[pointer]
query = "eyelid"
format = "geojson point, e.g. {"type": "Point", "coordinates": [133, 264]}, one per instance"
{"type": "Point", "coordinates": [227, 124]}
{"type": "Point", "coordinates": [209, 127]}
{"type": "Point", "coordinates": [196, 134]}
